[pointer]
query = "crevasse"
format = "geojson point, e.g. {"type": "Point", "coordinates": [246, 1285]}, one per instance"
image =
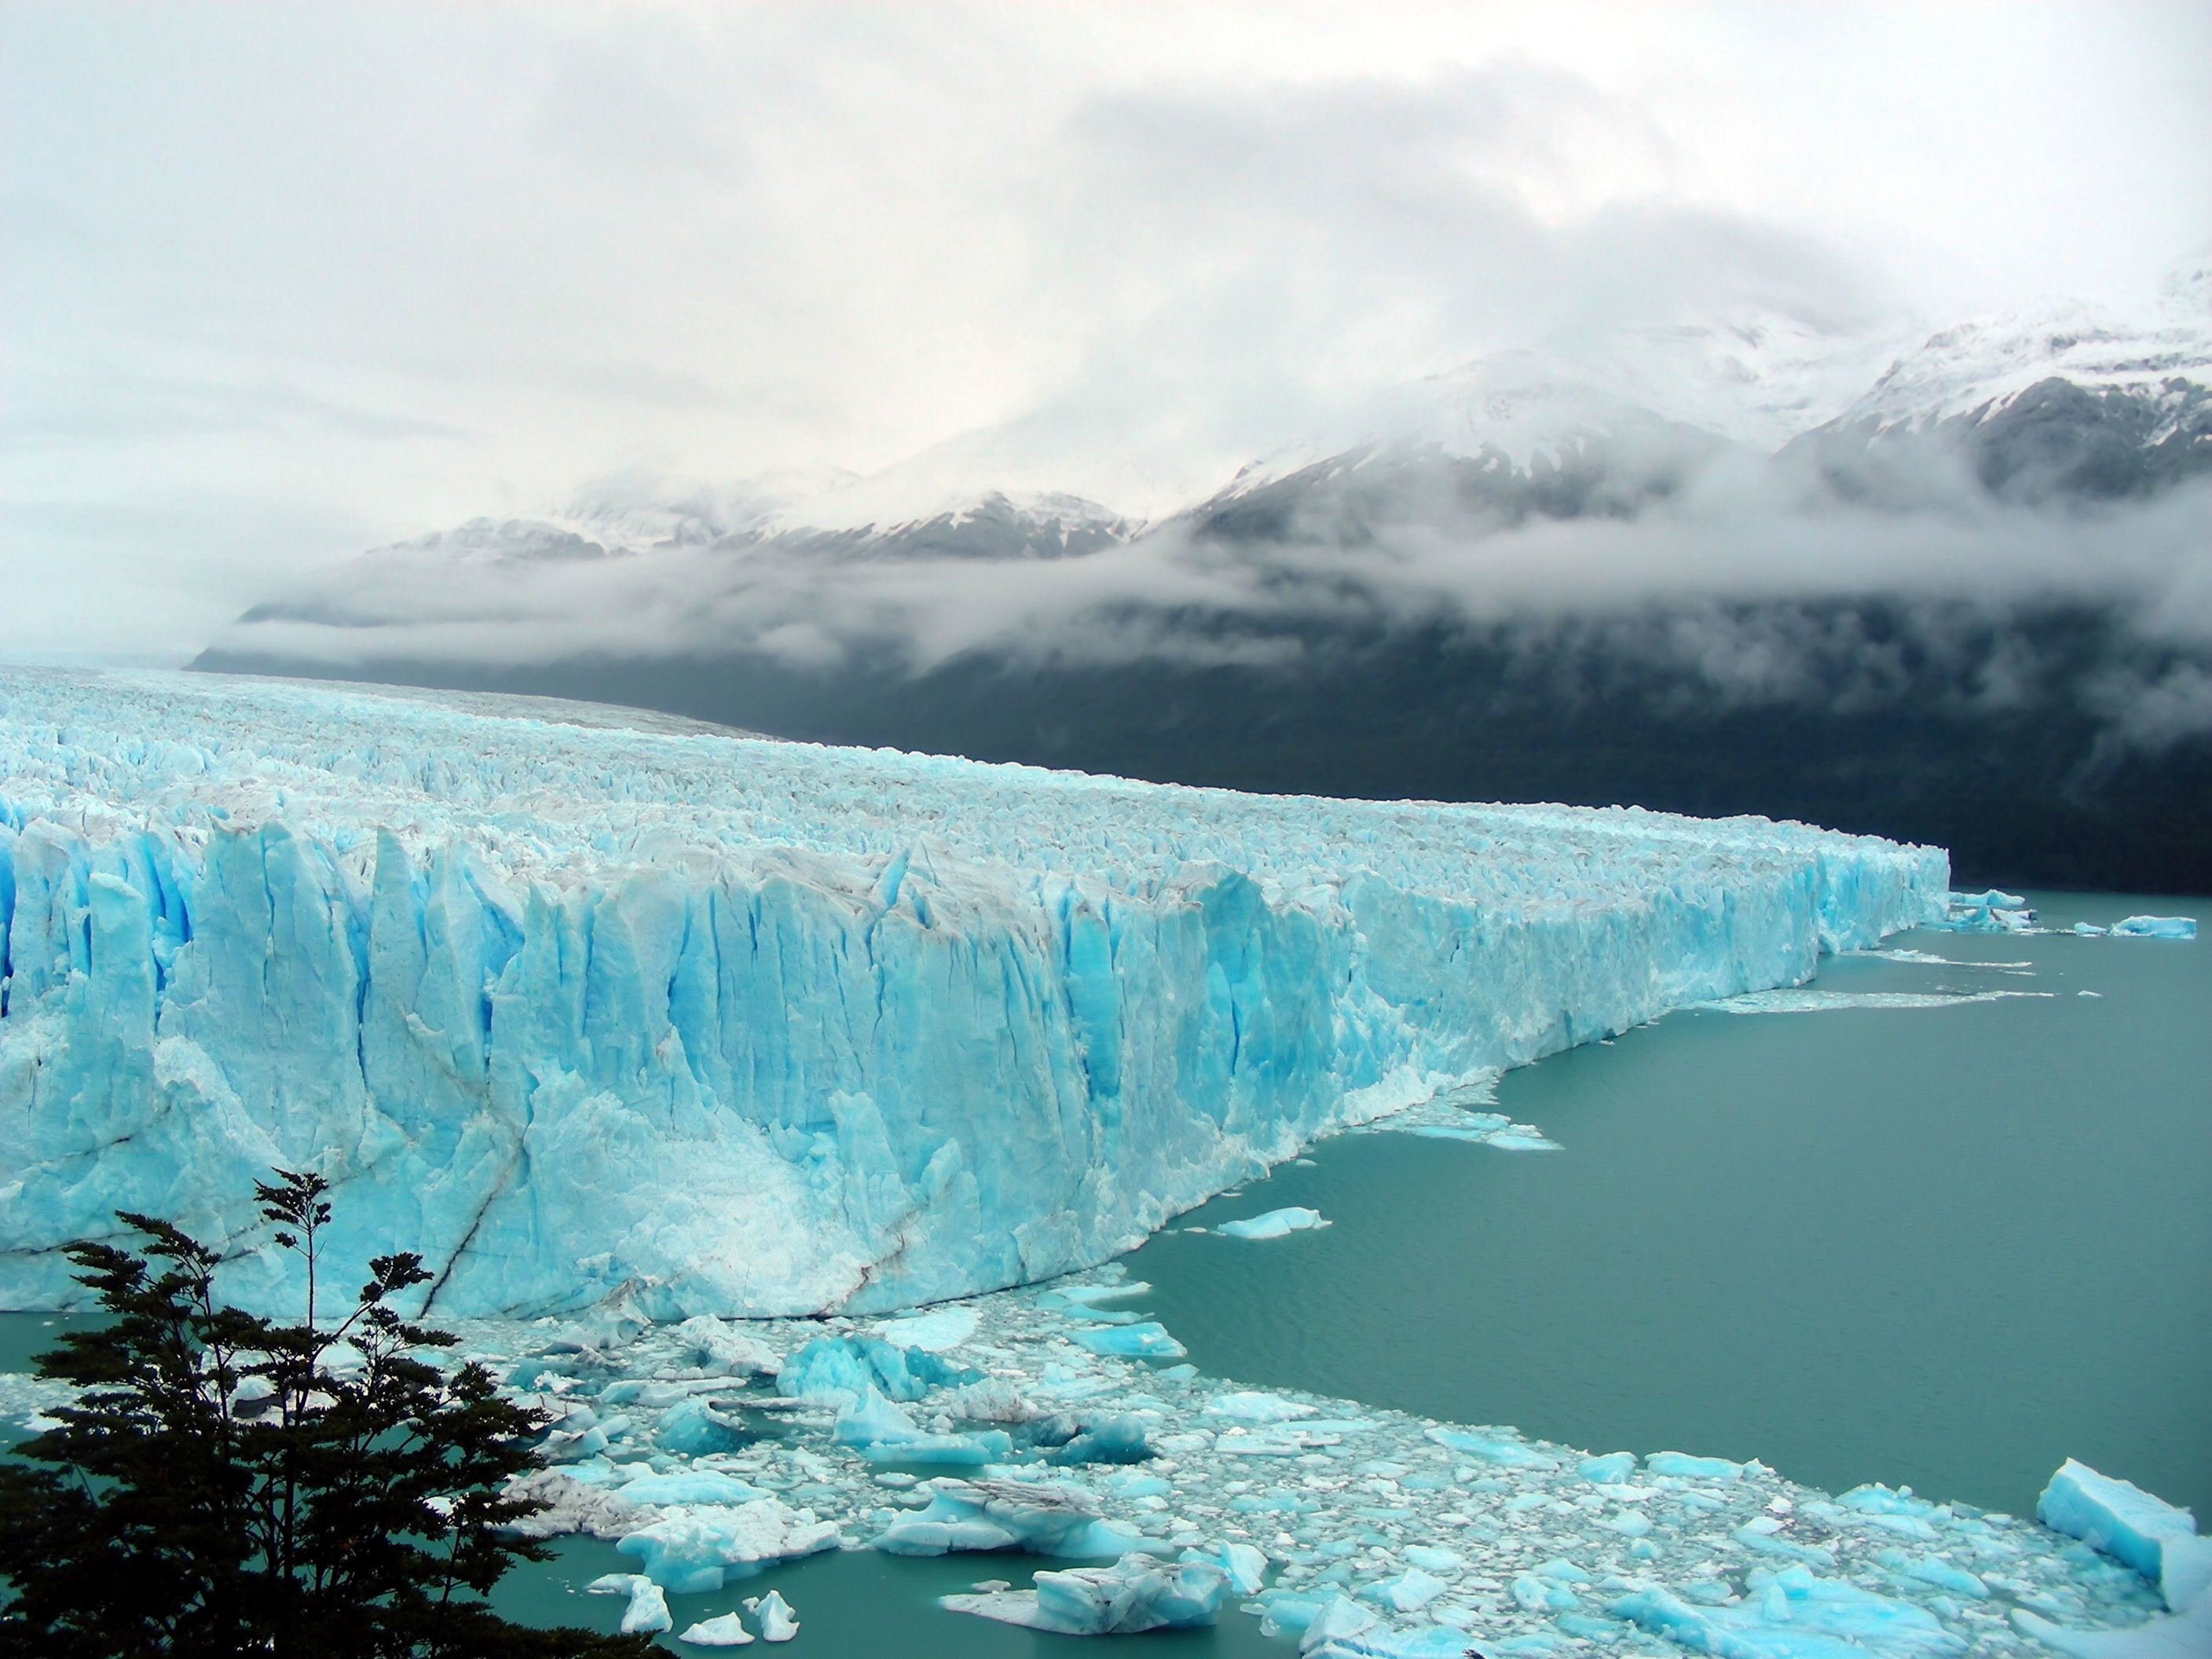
{"type": "Point", "coordinates": [750, 1027]}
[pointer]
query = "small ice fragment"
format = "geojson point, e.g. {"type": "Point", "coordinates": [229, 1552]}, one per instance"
{"type": "Point", "coordinates": [1407, 1592]}
{"type": "Point", "coordinates": [1535, 1595]}
{"type": "Point", "coordinates": [1934, 1570]}
{"type": "Point", "coordinates": [1136, 1593]}
{"type": "Point", "coordinates": [778, 1622]}
{"type": "Point", "coordinates": [1490, 1448]}
{"type": "Point", "coordinates": [722, 1347]}
{"type": "Point", "coordinates": [1275, 1224]}
{"type": "Point", "coordinates": [2155, 928]}
{"type": "Point", "coordinates": [934, 1331]}
{"type": "Point", "coordinates": [1681, 1464]}
{"type": "Point", "coordinates": [1516, 1139]}
{"type": "Point", "coordinates": [1147, 1341]}
{"type": "Point", "coordinates": [688, 1486]}
{"type": "Point", "coordinates": [1253, 1408]}
{"type": "Point", "coordinates": [1339, 1619]}
{"type": "Point", "coordinates": [1804, 1000]}
{"type": "Point", "coordinates": [2153, 1536]}
{"type": "Point", "coordinates": [647, 1611]}
{"type": "Point", "coordinates": [1613, 1470]}
{"type": "Point", "coordinates": [727, 1631]}
{"type": "Point", "coordinates": [1247, 1566]}
{"type": "Point", "coordinates": [2184, 1635]}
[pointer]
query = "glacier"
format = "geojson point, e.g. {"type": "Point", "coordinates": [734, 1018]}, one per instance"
{"type": "Point", "coordinates": [585, 1011]}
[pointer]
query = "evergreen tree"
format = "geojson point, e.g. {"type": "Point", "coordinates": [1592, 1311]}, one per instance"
{"type": "Point", "coordinates": [226, 1484]}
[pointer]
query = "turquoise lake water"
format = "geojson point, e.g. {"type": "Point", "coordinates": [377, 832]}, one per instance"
{"type": "Point", "coordinates": [1947, 1246]}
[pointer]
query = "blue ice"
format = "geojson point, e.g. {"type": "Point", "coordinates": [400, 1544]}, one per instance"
{"type": "Point", "coordinates": [1135, 1593]}
{"type": "Point", "coordinates": [2155, 928]}
{"type": "Point", "coordinates": [1275, 1224]}
{"type": "Point", "coordinates": [728, 1026]}
{"type": "Point", "coordinates": [2157, 1538]}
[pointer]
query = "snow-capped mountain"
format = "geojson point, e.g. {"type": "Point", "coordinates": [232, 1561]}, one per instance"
{"type": "Point", "coordinates": [2070, 402]}
{"type": "Point", "coordinates": [1981, 368]}
{"type": "Point", "coordinates": [991, 525]}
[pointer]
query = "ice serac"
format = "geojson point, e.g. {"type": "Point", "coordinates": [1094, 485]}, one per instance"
{"type": "Point", "coordinates": [737, 1027]}
{"type": "Point", "coordinates": [2158, 1540]}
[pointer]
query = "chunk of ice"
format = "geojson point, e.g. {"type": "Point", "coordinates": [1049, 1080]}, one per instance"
{"type": "Point", "coordinates": [692, 1551]}
{"type": "Point", "coordinates": [1406, 1592]}
{"type": "Point", "coordinates": [726, 1631]}
{"type": "Point", "coordinates": [2158, 1540]}
{"type": "Point", "coordinates": [778, 1622]}
{"type": "Point", "coordinates": [1246, 1406]}
{"type": "Point", "coordinates": [647, 1611]}
{"type": "Point", "coordinates": [1685, 1467]}
{"type": "Point", "coordinates": [1613, 1470]}
{"type": "Point", "coordinates": [1503, 1450]}
{"type": "Point", "coordinates": [1796, 1615]}
{"type": "Point", "coordinates": [1136, 1593]}
{"type": "Point", "coordinates": [1144, 1340]}
{"type": "Point", "coordinates": [1275, 1224]}
{"type": "Point", "coordinates": [1246, 1565]}
{"type": "Point", "coordinates": [2155, 928]}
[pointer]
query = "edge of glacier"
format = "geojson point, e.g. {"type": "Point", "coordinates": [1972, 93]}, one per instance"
{"type": "Point", "coordinates": [744, 1027]}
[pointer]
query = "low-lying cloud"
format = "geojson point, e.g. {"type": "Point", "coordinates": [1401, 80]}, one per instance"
{"type": "Point", "coordinates": [1741, 584]}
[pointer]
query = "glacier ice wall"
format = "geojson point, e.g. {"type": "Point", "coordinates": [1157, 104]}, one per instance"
{"type": "Point", "coordinates": [752, 1027]}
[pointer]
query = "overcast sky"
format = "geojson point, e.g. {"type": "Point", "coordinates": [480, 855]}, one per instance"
{"type": "Point", "coordinates": [277, 284]}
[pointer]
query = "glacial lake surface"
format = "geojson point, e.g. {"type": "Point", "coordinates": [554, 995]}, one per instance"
{"type": "Point", "coordinates": [1946, 1247]}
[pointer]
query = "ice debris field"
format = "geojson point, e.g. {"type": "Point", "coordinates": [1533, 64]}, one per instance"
{"type": "Point", "coordinates": [743, 1027]}
{"type": "Point", "coordinates": [1058, 1421]}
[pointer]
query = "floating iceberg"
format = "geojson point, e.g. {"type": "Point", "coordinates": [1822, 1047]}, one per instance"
{"type": "Point", "coordinates": [647, 1611]}
{"type": "Point", "coordinates": [733, 1026]}
{"type": "Point", "coordinates": [691, 1549]}
{"type": "Point", "coordinates": [1042, 1517]}
{"type": "Point", "coordinates": [1808, 1001]}
{"type": "Point", "coordinates": [1275, 1224]}
{"type": "Point", "coordinates": [2155, 928]}
{"type": "Point", "coordinates": [1136, 1593]}
{"type": "Point", "coordinates": [2158, 1540]}
{"type": "Point", "coordinates": [1793, 1614]}
{"type": "Point", "coordinates": [1991, 912]}
{"type": "Point", "coordinates": [778, 1622]}
{"type": "Point", "coordinates": [727, 1631]}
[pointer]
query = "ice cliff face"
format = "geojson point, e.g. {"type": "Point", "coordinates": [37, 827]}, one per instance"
{"type": "Point", "coordinates": [757, 1028]}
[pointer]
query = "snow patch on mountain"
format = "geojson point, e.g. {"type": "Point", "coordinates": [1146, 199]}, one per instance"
{"type": "Point", "coordinates": [1981, 368]}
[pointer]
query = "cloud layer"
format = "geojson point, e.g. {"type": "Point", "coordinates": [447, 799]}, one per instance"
{"type": "Point", "coordinates": [282, 283]}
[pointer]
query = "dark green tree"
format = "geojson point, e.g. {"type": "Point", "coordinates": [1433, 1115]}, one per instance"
{"type": "Point", "coordinates": [226, 1485]}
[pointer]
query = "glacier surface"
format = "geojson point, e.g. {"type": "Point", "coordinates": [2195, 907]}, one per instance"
{"type": "Point", "coordinates": [743, 1027]}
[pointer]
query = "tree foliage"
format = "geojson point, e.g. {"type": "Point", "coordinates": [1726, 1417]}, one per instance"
{"type": "Point", "coordinates": [226, 1485]}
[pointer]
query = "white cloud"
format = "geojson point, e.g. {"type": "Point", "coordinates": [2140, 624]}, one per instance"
{"type": "Point", "coordinates": [279, 277]}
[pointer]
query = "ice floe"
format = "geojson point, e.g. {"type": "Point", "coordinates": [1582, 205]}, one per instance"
{"type": "Point", "coordinates": [1275, 1224]}
{"type": "Point", "coordinates": [1387, 1534]}
{"type": "Point", "coordinates": [1360, 1533]}
{"type": "Point", "coordinates": [1808, 1001]}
